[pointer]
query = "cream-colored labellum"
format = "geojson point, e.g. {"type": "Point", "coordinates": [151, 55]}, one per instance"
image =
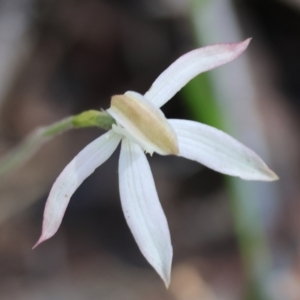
{"type": "Point", "coordinates": [144, 123]}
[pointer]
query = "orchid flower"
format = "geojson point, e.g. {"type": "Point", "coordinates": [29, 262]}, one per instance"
{"type": "Point", "coordinates": [142, 127]}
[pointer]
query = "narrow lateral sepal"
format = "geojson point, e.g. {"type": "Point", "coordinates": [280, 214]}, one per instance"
{"type": "Point", "coordinates": [219, 151]}
{"type": "Point", "coordinates": [188, 66]}
{"type": "Point", "coordinates": [82, 166]}
{"type": "Point", "coordinates": [142, 209]}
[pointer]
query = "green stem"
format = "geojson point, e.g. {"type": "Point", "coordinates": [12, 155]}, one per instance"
{"type": "Point", "coordinates": [203, 105]}
{"type": "Point", "coordinates": [200, 102]}
{"type": "Point", "coordinates": [16, 157]}
{"type": "Point", "coordinates": [251, 237]}
{"type": "Point", "coordinates": [93, 118]}
{"type": "Point", "coordinates": [56, 128]}
{"type": "Point", "coordinates": [21, 153]}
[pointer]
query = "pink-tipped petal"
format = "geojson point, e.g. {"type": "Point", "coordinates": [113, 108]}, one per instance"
{"type": "Point", "coordinates": [188, 66]}
{"type": "Point", "coordinates": [142, 209]}
{"type": "Point", "coordinates": [82, 166]}
{"type": "Point", "coordinates": [219, 151]}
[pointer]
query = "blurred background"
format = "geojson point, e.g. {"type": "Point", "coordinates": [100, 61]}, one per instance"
{"type": "Point", "coordinates": [232, 239]}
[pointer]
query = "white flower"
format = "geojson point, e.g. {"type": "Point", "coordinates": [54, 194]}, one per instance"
{"type": "Point", "coordinates": [142, 127]}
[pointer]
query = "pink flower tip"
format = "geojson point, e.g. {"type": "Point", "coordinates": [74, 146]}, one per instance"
{"type": "Point", "coordinates": [40, 240]}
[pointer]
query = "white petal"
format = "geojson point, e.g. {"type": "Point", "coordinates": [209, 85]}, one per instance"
{"type": "Point", "coordinates": [188, 66]}
{"type": "Point", "coordinates": [82, 166]}
{"type": "Point", "coordinates": [142, 209]}
{"type": "Point", "coordinates": [219, 151]}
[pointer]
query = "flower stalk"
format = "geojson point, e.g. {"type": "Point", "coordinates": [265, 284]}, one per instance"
{"type": "Point", "coordinates": [33, 142]}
